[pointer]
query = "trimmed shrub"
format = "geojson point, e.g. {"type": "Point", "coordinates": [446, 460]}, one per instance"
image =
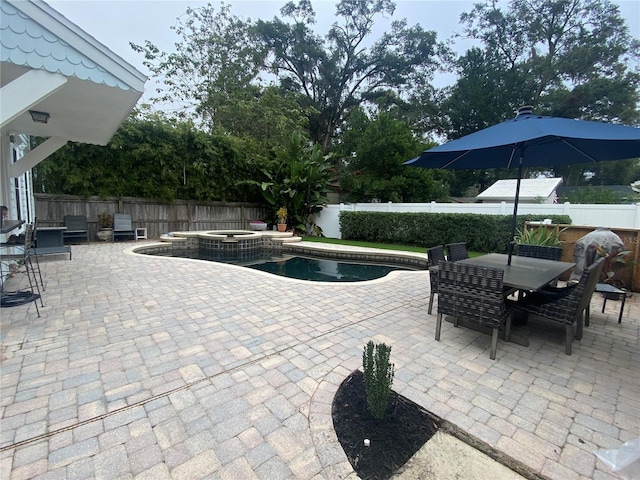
{"type": "Point", "coordinates": [482, 233]}
{"type": "Point", "coordinates": [378, 377]}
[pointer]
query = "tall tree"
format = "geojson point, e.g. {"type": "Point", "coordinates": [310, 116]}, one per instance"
{"type": "Point", "coordinates": [573, 57]}
{"type": "Point", "coordinates": [568, 58]}
{"type": "Point", "coordinates": [341, 71]}
{"type": "Point", "coordinates": [376, 149]}
{"type": "Point", "coordinates": [213, 61]}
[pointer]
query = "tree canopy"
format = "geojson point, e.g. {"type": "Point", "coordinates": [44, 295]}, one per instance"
{"type": "Point", "coordinates": [243, 87]}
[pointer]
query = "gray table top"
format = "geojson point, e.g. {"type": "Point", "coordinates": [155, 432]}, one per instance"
{"type": "Point", "coordinates": [524, 273]}
{"type": "Point", "coordinates": [9, 225]}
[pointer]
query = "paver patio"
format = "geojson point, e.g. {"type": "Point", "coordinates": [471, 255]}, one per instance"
{"type": "Point", "coordinates": [156, 368]}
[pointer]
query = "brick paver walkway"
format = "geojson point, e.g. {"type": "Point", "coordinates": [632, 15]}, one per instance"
{"type": "Point", "coordinates": [155, 368]}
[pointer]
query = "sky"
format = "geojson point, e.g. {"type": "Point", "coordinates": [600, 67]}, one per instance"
{"type": "Point", "coordinates": [115, 23]}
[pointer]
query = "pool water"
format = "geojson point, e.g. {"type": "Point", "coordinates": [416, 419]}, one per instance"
{"type": "Point", "coordinates": [310, 268]}
{"type": "Point", "coordinates": [324, 270]}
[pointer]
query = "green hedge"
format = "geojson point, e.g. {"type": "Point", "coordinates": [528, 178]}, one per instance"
{"type": "Point", "coordinates": [483, 233]}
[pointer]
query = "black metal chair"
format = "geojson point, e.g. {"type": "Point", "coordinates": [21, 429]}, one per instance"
{"type": "Point", "coordinates": [32, 251]}
{"type": "Point", "coordinates": [21, 257]}
{"type": "Point", "coordinates": [456, 251]}
{"type": "Point", "coordinates": [435, 255]}
{"type": "Point", "coordinates": [475, 293]}
{"type": "Point", "coordinates": [540, 251]}
{"type": "Point", "coordinates": [567, 305]}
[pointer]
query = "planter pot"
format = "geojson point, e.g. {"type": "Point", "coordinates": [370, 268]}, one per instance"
{"type": "Point", "coordinates": [105, 234]}
{"type": "Point", "coordinates": [258, 226]}
{"type": "Point", "coordinates": [282, 227]}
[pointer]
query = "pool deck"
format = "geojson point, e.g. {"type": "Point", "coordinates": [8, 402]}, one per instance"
{"type": "Point", "coordinates": [155, 368]}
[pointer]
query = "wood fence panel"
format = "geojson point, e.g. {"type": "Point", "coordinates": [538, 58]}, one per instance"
{"type": "Point", "coordinates": [157, 217]}
{"type": "Point", "coordinates": [570, 234]}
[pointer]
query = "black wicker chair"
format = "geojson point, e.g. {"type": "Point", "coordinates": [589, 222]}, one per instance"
{"type": "Point", "coordinates": [564, 305]}
{"type": "Point", "coordinates": [540, 251]}
{"type": "Point", "coordinates": [436, 255]}
{"type": "Point", "coordinates": [475, 293]}
{"type": "Point", "coordinates": [456, 251]}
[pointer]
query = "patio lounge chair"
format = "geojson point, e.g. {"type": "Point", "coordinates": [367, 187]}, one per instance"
{"type": "Point", "coordinates": [436, 255]}
{"type": "Point", "coordinates": [475, 293]}
{"type": "Point", "coordinates": [122, 226]}
{"type": "Point", "coordinates": [77, 228]}
{"type": "Point", "coordinates": [566, 305]}
{"type": "Point", "coordinates": [456, 251]}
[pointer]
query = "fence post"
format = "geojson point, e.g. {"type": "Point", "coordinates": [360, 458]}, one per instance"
{"type": "Point", "coordinates": [637, 217]}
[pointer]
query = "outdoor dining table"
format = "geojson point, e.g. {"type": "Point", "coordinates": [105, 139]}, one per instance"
{"type": "Point", "coordinates": [524, 273]}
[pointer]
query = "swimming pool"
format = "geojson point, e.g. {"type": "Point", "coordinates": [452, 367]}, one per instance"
{"type": "Point", "coordinates": [301, 267]}
{"type": "Point", "coordinates": [282, 254]}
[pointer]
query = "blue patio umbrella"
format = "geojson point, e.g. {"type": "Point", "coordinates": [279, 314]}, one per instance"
{"type": "Point", "coordinates": [534, 141]}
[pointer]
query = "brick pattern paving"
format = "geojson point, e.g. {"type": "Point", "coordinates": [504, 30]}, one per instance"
{"type": "Point", "coordinates": [155, 368]}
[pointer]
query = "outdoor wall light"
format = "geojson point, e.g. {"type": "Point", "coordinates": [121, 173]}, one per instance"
{"type": "Point", "coordinates": [39, 117]}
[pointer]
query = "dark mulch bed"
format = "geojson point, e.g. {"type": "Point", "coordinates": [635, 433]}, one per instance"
{"type": "Point", "coordinates": [394, 439]}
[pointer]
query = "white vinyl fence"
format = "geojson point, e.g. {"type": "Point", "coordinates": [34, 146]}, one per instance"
{"type": "Point", "coordinates": [612, 216]}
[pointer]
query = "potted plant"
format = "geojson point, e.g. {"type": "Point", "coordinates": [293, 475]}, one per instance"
{"type": "Point", "coordinates": [105, 226]}
{"type": "Point", "coordinates": [614, 264]}
{"type": "Point", "coordinates": [282, 219]}
{"type": "Point", "coordinates": [540, 242]}
{"type": "Point", "coordinates": [548, 237]}
{"type": "Point", "coordinates": [257, 225]}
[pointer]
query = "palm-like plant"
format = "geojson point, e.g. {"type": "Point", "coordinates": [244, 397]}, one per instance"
{"type": "Point", "coordinates": [299, 183]}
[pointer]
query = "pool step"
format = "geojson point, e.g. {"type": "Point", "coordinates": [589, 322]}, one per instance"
{"type": "Point", "coordinates": [291, 239]}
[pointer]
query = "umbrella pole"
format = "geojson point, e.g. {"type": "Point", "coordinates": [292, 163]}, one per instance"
{"type": "Point", "coordinates": [515, 208]}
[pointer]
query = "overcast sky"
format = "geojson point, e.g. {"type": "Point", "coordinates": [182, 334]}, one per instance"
{"type": "Point", "coordinates": [115, 23]}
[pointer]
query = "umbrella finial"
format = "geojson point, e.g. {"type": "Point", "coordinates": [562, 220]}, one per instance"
{"type": "Point", "coordinates": [524, 110]}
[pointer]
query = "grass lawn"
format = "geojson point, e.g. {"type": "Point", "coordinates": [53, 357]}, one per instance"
{"type": "Point", "coordinates": [354, 243]}
{"type": "Point", "coordinates": [386, 246]}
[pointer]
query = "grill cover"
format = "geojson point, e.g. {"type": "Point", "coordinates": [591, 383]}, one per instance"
{"type": "Point", "coordinates": [584, 252]}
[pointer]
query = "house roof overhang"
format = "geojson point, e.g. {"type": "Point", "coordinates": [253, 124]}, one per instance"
{"type": "Point", "coordinates": [48, 64]}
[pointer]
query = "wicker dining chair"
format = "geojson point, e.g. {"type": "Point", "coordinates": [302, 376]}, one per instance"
{"type": "Point", "coordinates": [456, 251]}
{"type": "Point", "coordinates": [540, 251]}
{"type": "Point", "coordinates": [475, 293]}
{"type": "Point", "coordinates": [435, 255]}
{"type": "Point", "coordinates": [567, 305]}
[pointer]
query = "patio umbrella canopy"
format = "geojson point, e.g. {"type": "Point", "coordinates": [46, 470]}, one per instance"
{"type": "Point", "coordinates": [534, 141]}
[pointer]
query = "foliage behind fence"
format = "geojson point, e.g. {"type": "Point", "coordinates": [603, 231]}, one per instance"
{"type": "Point", "coordinates": [158, 217]}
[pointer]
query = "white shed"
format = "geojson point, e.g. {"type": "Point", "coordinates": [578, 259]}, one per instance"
{"type": "Point", "coordinates": [532, 190]}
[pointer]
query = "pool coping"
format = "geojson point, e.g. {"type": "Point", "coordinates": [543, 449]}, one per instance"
{"type": "Point", "coordinates": [414, 260]}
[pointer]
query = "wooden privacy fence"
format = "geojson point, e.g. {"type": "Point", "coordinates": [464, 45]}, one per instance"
{"type": "Point", "coordinates": [157, 217]}
{"type": "Point", "coordinates": [570, 234]}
